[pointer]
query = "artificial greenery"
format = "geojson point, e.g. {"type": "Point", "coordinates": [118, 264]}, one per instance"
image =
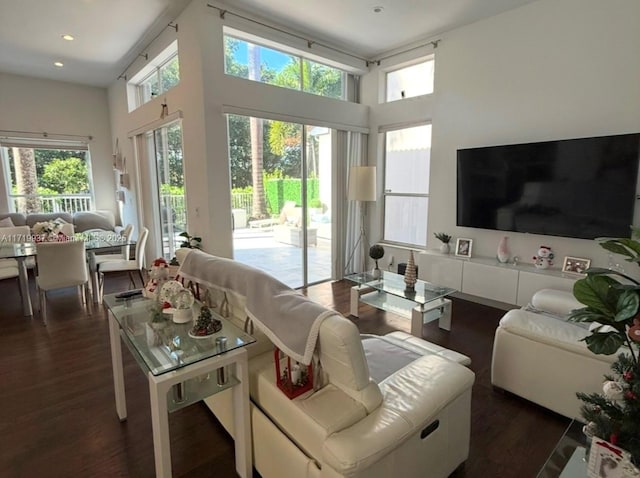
{"type": "Point", "coordinates": [376, 252]}
{"type": "Point", "coordinates": [443, 237]}
{"type": "Point", "coordinates": [612, 302]}
{"type": "Point", "coordinates": [190, 242]}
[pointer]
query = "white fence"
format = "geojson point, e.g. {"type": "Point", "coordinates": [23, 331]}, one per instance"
{"type": "Point", "coordinates": [26, 203]}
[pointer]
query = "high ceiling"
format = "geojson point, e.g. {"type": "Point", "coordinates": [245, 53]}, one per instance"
{"type": "Point", "coordinates": [110, 33]}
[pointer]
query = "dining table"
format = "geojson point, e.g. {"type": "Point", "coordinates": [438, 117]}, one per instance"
{"type": "Point", "coordinates": [94, 242]}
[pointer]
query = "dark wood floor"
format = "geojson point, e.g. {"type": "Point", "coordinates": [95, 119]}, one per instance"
{"type": "Point", "coordinates": [58, 419]}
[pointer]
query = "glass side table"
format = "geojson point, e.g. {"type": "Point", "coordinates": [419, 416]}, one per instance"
{"type": "Point", "coordinates": [567, 460]}
{"type": "Point", "coordinates": [425, 303]}
{"type": "Point", "coordinates": [181, 370]}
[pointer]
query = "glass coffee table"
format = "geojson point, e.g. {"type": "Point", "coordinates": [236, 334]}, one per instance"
{"type": "Point", "coordinates": [427, 302]}
{"type": "Point", "coordinates": [568, 457]}
{"type": "Point", "coordinates": [181, 370]}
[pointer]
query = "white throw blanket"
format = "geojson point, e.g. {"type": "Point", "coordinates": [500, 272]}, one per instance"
{"type": "Point", "coordinates": [289, 319]}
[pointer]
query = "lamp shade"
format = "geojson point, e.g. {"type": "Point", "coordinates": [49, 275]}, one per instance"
{"type": "Point", "coordinates": [362, 183]}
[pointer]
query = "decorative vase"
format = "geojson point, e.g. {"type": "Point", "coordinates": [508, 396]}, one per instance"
{"type": "Point", "coordinates": [376, 272]}
{"type": "Point", "coordinates": [445, 248]}
{"type": "Point", "coordinates": [410, 277]}
{"type": "Point", "coordinates": [503, 251]}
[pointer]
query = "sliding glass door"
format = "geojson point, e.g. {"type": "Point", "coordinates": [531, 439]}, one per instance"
{"type": "Point", "coordinates": [281, 198]}
{"type": "Point", "coordinates": [166, 152]}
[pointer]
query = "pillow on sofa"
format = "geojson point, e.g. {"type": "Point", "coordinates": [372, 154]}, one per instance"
{"type": "Point", "coordinates": [17, 218]}
{"type": "Point", "coordinates": [557, 302]}
{"type": "Point", "coordinates": [6, 222]}
{"type": "Point", "coordinates": [63, 217]}
{"type": "Point", "coordinates": [86, 220]}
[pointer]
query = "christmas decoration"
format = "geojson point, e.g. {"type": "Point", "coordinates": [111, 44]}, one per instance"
{"type": "Point", "coordinates": [292, 380]}
{"type": "Point", "coordinates": [613, 309]}
{"type": "Point", "coordinates": [614, 415]}
{"type": "Point", "coordinates": [410, 277]}
{"type": "Point", "coordinates": [544, 258]}
{"type": "Point", "coordinates": [205, 324]}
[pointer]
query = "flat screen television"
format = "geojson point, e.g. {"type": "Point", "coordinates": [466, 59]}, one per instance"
{"type": "Point", "coordinates": [582, 188]}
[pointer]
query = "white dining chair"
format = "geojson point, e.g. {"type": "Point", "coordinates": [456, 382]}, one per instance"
{"type": "Point", "coordinates": [128, 265]}
{"type": "Point", "coordinates": [60, 265]}
{"type": "Point", "coordinates": [126, 234]}
{"type": "Point", "coordinates": [15, 235]}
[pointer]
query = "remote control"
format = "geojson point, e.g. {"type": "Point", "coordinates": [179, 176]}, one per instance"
{"type": "Point", "coordinates": [128, 294]}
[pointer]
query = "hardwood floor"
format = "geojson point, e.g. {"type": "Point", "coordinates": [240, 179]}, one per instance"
{"type": "Point", "coordinates": [58, 419]}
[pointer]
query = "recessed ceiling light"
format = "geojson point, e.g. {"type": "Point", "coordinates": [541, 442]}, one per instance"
{"type": "Point", "coordinates": [378, 9]}
{"type": "Point", "coordinates": [68, 37]}
{"type": "Point", "coordinates": [59, 64]}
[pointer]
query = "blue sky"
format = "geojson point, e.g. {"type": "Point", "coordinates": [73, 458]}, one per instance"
{"type": "Point", "coordinates": [273, 59]}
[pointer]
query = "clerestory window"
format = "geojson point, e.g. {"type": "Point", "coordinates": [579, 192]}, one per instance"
{"type": "Point", "coordinates": [257, 62]}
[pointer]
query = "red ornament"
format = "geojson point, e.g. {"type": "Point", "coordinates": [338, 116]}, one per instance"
{"type": "Point", "coordinates": [634, 330]}
{"type": "Point", "coordinates": [628, 375]}
{"type": "Point", "coordinates": [629, 395]}
{"type": "Point", "coordinates": [613, 439]}
{"type": "Point", "coordinates": [166, 305]}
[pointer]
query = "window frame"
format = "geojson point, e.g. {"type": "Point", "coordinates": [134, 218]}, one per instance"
{"type": "Point", "coordinates": [156, 72]}
{"type": "Point", "coordinates": [47, 145]}
{"type": "Point", "coordinates": [386, 194]}
{"type": "Point", "coordinates": [301, 58]}
{"type": "Point", "coordinates": [417, 61]}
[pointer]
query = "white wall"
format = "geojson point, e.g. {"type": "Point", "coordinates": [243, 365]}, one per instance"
{"type": "Point", "coordinates": [203, 95]}
{"type": "Point", "coordinates": [552, 69]}
{"type": "Point", "coordinates": [37, 105]}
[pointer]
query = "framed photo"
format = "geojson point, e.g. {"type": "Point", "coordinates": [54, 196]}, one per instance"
{"type": "Point", "coordinates": [463, 247]}
{"type": "Point", "coordinates": [575, 265]}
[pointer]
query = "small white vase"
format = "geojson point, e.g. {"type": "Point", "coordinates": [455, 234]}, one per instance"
{"type": "Point", "coordinates": [376, 273]}
{"type": "Point", "coordinates": [445, 248]}
{"type": "Point", "coordinates": [182, 316]}
{"type": "Point", "coordinates": [503, 251]}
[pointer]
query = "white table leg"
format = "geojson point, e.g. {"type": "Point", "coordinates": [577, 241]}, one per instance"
{"type": "Point", "coordinates": [23, 279]}
{"type": "Point", "coordinates": [417, 321]}
{"type": "Point", "coordinates": [242, 418]}
{"type": "Point", "coordinates": [355, 300]}
{"type": "Point", "coordinates": [160, 426]}
{"type": "Point", "coordinates": [118, 369]}
{"type": "Point", "coordinates": [445, 318]}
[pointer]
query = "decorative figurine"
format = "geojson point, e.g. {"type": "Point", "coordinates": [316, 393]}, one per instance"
{"type": "Point", "coordinates": [544, 258]}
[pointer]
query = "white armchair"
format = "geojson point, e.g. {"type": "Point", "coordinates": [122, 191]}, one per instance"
{"type": "Point", "coordinates": [412, 418]}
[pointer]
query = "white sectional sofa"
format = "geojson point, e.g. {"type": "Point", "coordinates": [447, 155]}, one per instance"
{"type": "Point", "coordinates": [540, 356]}
{"type": "Point", "coordinates": [382, 406]}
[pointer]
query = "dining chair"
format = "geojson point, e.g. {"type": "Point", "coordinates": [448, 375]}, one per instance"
{"type": "Point", "coordinates": [128, 265]}
{"type": "Point", "coordinates": [15, 235]}
{"type": "Point", "coordinates": [127, 232]}
{"type": "Point", "coordinates": [60, 265]}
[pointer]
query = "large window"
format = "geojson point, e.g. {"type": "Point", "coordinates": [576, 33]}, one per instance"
{"type": "Point", "coordinates": [267, 65]}
{"type": "Point", "coordinates": [406, 185]}
{"type": "Point", "coordinates": [47, 177]}
{"type": "Point", "coordinates": [410, 81]}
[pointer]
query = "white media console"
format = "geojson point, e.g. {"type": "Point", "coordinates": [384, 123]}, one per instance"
{"type": "Point", "coordinates": [486, 278]}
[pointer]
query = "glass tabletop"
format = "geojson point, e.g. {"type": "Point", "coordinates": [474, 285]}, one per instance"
{"type": "Point", "coordinates": [168, 346]}
{"type": "Point", "coordinates": [391, 283]}
{"type": "Point", "coordinates": [567, 460]}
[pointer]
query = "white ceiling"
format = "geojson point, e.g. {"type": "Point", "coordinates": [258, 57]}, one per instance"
{"type": "Point", "coordinates": [110, 33]}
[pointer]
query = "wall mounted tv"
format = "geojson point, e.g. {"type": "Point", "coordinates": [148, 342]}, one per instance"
{"type": "Point", "coordinates": [583, 188]}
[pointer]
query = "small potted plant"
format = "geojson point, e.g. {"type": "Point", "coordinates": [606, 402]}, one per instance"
{"type": "Point", "coordinates": [190, 242]}
{"type": "Point", "coordinates": [445, 239]}
{"type": "Point", "coordinates": [376, 252]}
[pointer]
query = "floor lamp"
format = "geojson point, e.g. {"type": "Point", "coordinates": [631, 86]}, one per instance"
{"type": "Point", "coordinates": [362, 188]}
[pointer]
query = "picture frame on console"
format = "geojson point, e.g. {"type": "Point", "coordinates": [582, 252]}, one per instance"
{"type": "Point", "coordinates": [575, 265]}
{"type": "Point", "coordinates": [463, 247]}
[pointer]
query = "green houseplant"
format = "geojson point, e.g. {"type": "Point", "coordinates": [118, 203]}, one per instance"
{"type": "Point", "coordinates": [612, 301]}
{"type": "Point", "coordinates": [190, 242]}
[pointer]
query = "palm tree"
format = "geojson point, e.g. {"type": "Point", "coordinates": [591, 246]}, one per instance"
{"type": "Point", "coordinates": [26, 180]}
{"type": "Point", "coordinates": [256, 132]}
